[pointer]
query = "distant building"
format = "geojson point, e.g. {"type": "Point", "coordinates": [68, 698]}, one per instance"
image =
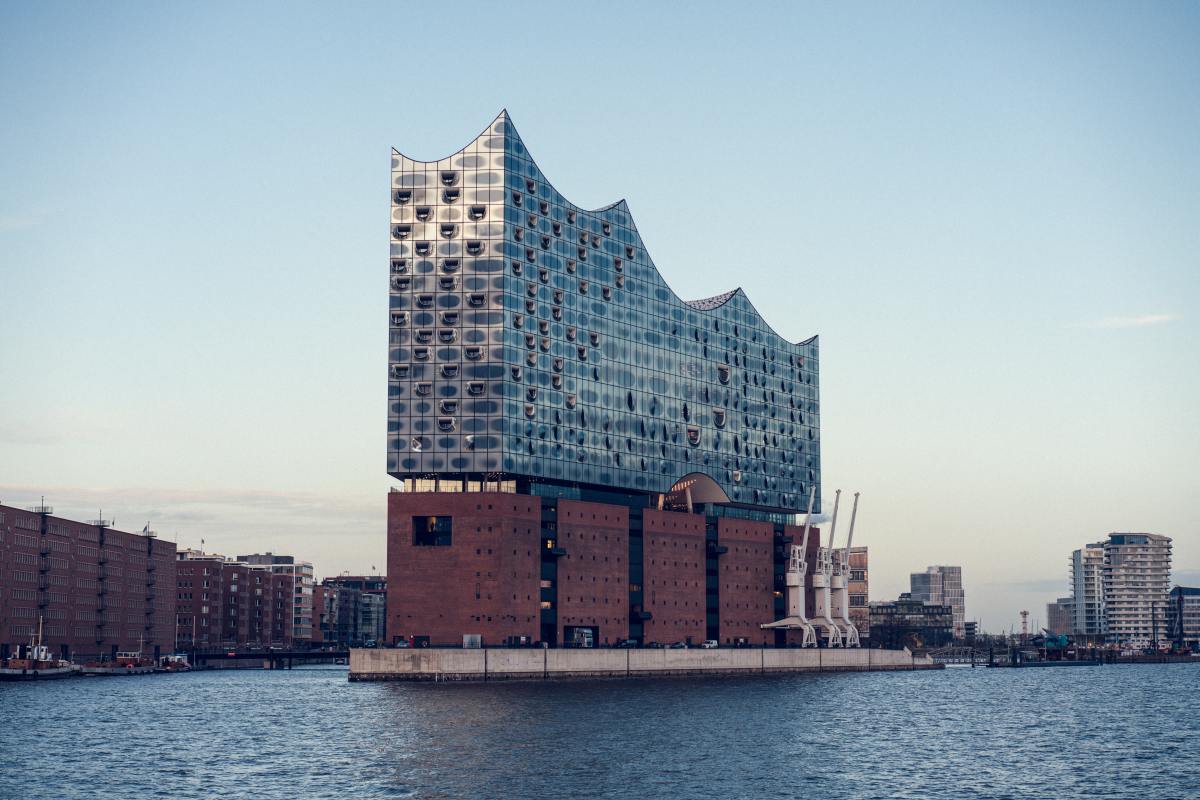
{"type": "Point", "coordinates": [1183, 616]}
{"type": "Point", "coordinates": [970, 631]}
{"type": "Point", "coordinates": [942, 585]}
{"type": "Point", "coordinates": [912, 623]}
{"type": "Point", "coordinates": [1137, 576]}
{"type": "Point", "coordinates": [1087, 590]}
{"type": "Point", "coordinates": [301, 574]}
{"type": "Point", "coordinates": [1060, 616]}
{"type": "Point", "coordinates": [222, 603]}
{"type": "Point", "coordinates": [857, 588]}
{"type": "Point", "coordinates": [356, 607]}
{"type": "Point", "coordinates": [97, 591]}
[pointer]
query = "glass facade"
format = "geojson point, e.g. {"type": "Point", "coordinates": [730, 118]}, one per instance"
{"type": "Point", "coordinates": [530, 339]}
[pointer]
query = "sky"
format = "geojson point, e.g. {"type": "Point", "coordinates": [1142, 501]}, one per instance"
{"type": "Point", "coordinates": [990, 213]}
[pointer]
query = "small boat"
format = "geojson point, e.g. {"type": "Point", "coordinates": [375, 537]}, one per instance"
{"type": "Point", "coordinates": [37, 664]}
{"type": "Point", "coordinates": [127, 663]}
{"type": "Point", "coordinates": [175, 662]}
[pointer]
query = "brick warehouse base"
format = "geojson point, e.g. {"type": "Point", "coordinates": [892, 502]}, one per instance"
{"type": "Point", "coordinates": [514, 568]}
{"type": "Point", "coordinates": [550, 664]}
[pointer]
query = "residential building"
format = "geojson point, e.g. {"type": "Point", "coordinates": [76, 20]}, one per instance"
{"type": "Point", "coordinates": [857, 588]}
{"type": "Point", "coordinates": [584, 457]}
{"type": "Point", "coordinates": [912, 623]}
{"type": "Point", "coordinates": [1183, 617]}
{"type": "Point", "coordinates": [96, 590]}
{"type": "Point", "coordinates": [1137, 577]}
{"type": "Point", "coordinates": [1087, 591]}
{"type": "Point", "coordinates": [223, 603]}
{"type": "Point", "coordinates": [302, 579]}
{"type": "Point", "coordinates": [942, 585]}
{"type": "Point", "coordinates": [356, 609]}
{"type": "Point", "coordinates": [1060, 616]}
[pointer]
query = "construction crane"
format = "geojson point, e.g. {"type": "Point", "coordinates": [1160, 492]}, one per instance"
{"type": "Point", "coordinates": [796, 570]}
{"type": "Point", "coordinates": [840, 588]}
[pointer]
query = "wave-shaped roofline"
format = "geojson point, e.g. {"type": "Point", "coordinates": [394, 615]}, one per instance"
{"type": "Point", "coordinates": [701, 305]}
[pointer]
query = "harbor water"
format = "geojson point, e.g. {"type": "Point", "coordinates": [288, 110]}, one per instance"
{"type": "Point", "coordinates": [1121, 731]}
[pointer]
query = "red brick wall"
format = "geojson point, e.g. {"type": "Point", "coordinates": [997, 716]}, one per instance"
{"type": "Point", "coordinates": [746, 580]}
{"type": "Point", "coordinates": [673, 558]}
{"type": "Point", "coordinates": [593, 576]}
{"type": "Point", "coordinates": [485, 582]}
{"type": "Point", "coordinates": [67, 577]}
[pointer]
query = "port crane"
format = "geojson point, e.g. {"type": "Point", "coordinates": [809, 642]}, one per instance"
{"type": "Point", "coordinates": [794, 577]}
{"type": "Point", "coordinates": [840, 580]}
{"type": "Point", "coordinates": [821, 580]}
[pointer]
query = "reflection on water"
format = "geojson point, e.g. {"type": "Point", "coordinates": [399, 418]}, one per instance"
{"type": "Point", "coordinates": [1118, 731]}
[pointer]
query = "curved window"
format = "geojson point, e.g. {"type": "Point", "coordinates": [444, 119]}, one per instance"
{"type": "Point", "coordinates": [606, 292]}
{"type": "Point", "coordinates": [530, 409]}
{"type": "Point", "coordinates": [693, 435]}
{"type": "Point", "coordinates": [448, 284]}
{"type": "Point", "coordinates": [449, 178]}
{"type": "Point", "coordinates": [473, 353]}
{"type": "Point", "coordinates": [449, 230]}
{"type": "Point", "coordinates": [425, 301]}
{"type": "Point", "coordinates": [399, 318]}
{"type": "Point", "coordinates": [570, 401]}
{"type": "Point", "coordinates": [516, 373]}
{"type": "Point", "coordinates": [476, 213]}
{"type": "Point", "coordinates": [446, 424]}
{"type": "Point", "coordinates": [400, 266]}
{"type": "Point", "coordinates": [401, 231]}
{"type": "Point", "coordinates": [723, 373]}
{"type": "Point", "coordinates": [423, 336]}
{"type": "Point", "coordinates": [399, 371]}
{"type": "Point", "coordinates": [423, 213]}
{"type": "Point", "coordinates": [423, 388]}
{"type": "Point", "coordinates": [402, 196]}
{"type": "Point", "coordinates": [449, 370]}
{"type": "Point", "coordinates": [474, 248]}
{"type": "Point", "coordinates": [450, 196]}
{"type": "Point", "coordinates": [556, 381]}
{"type": "Point", "coordinates": [719, 417]}
{"type": "Point", "coordinates": [448, 406]}
{"type": "Point", "coordinates": [449, 317]}
{"type": "Point", "coordinates": [448, 336]}
{"type": "Point", "coordinates": [516, 199]}
{"type": "Point", "coordinates": [420, 353]}
{"type": "Point", "coordinates": [401, 284]}
{"type": "Point", "coordinates": [424, 248]}
{"type": "Point", "coordinates": [450, 265]}
{"type": "Point", "coordinates": [475, 388]}
{"type": "Point", "coordinates": [477, 300]}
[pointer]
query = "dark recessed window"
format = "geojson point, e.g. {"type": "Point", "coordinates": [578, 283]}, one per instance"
{"type": "Point", "coordinates": [474, 248]}
{"type": "Point", "coordinates": [432, 531]}
{"type": "Point", "coordinates": [423, 336]}
{"type": "Point", "coordinates": [544, 207]}
{"type": "Point", "coordinates": [473, 353]}
{"type": "Point", "coordinates": [402, 196]}
{"type": "Point", "coordinates": [401, 231]}
{"type": "Point", "coordinates": [449, 230]}
{"type": "Point", "coordinates": [446, 424]}
{"type": "Point", "coordinates": [423, 388]}
{"type": "Point", "coordinates": [449, 178]}
{"type": "Point", "coordinates": [421, 353]}
{"type": "Point", "coordinates": [449, 317]}
{"type": "Point", "coordinates": [399, 318]}
{"type": "Point", "coordinates": [477, 213]}
{"type": "Point", "coordinates": [449, 370]}
{"type": "Point", "coordinates": [516, 198]}
{"type": "Point", "coordinates": [423, 213]}
{"type": "Point", "coordinates": [530, 185]}
{"type": "Point", "coordinates": [475, 388]}
{"type": "Point", "coordinates": [450, 196]}
{"type": "Point", "coordinates": [448, 283]}
{"type": "Point", "coordinates": [447, 336]}
{"type": "Point", "coordinates": [477, 300]}
{"type": "Point", "coordinates": [399, 371]}
{"type": "Point", "coordinates": [425, 301]}
{"type": "Point", "coordinates": [571, 217]}
{"type": "Point", "coordinates": [401, 284]}
{"type": "Point", "coordinates": [400, 266]}
{"type": "Point", "coordinates": [450, 265]}
{"type": "Point", "coordinates": [424, 248]}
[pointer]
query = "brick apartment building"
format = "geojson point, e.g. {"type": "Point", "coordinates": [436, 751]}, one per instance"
{"type": "Point", "coordinates": [859, 586]}
{"type": "Point", "coordinates": [96, 590]}
{"type": "Point", "coordinates": [224, 603]}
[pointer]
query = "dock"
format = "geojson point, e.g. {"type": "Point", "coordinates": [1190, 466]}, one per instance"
{"type": "Point", "coordinates": [494, 664]}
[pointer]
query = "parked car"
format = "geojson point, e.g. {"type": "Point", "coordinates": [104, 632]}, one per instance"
{"type": "Point", "coordinates": [709, 644]}
{"type": "Point", "coordinates": [628, 643]}
{"type": "Point", "coordinates": [679, 646]}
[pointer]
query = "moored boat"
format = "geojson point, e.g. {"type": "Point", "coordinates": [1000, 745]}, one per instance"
{"type": "Point", "coordinates": [37, 663]}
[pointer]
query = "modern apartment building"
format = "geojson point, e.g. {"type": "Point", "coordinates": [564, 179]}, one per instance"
{"type": "Point", "coordinates": [301, 577]}
{"type": "Point", "coordinates": [96, 590]}
{"type": "Point", "coordinates": [223, 603]}
{"type": "Point", "coordinates": [1137, 577]}
{"type": "Point", "coordinates": [584, 457]}
{"type": "Point", "coordinates": [355, 609]}
{"type": "Point", "coordinates": [942, 585]}
{"type": "Point", "coordinates": [1087, 591]}
{"type": "Point", "coordinates": [912, 623]}
{"type": "Point", "coordinates": [1183, 617]}
{"type": "Point", "coordinates": [858, 584]}
{"type": "Point", "coordinates": [1060, 616]}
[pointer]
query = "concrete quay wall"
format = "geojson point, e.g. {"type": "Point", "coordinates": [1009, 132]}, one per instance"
{"type": "Point", "coordinates": [549, 664]}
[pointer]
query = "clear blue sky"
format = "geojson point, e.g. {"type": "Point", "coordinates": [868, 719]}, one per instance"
{"type": "Point", "coordinates": [989, 213]}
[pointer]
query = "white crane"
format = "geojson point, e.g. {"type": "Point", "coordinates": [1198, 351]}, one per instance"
{"type": "Point", "coordinates": [796, 570]}
{"type": "Point", "coordinates": [822, 577]}
{"type": "Point", "coordinates": [841, 583]}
